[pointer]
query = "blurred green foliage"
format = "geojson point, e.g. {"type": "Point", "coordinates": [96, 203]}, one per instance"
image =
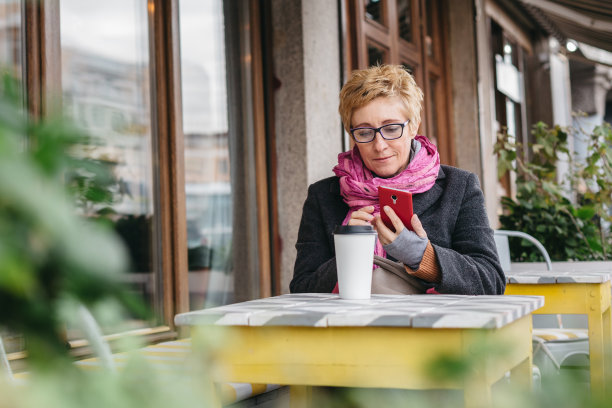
{"type": "Point", "coordinates": [48, 253]}
{"type": "Point", "coordinates": [571, 217]}
{"type": "Point", "coordinates": [136, 384]}
{"type": "Point", "coordinates": [58, 250]}
{"type": "Point", "coordinates": [567, 388]}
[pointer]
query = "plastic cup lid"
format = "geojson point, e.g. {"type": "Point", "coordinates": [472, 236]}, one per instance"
{"type": "Point", "coordinates": [354, 229]}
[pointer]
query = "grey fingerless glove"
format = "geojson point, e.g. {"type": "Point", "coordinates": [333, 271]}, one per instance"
{"type": "Point", "coordinates": [408, 248]}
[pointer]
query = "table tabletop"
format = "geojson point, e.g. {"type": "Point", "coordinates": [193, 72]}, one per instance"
{"type": "Point", "coordinates": [563, 266]}
{"type": "Point", "coordinates": [329, 310]}
{"type": "Point", "coordinates": [581, 273]}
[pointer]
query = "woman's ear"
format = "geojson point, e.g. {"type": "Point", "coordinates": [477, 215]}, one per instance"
{"type": "Point", "coordinates": [414, 127]}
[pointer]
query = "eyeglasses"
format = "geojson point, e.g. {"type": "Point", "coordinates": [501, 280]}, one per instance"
{"type": "Point", "coordinates": [388, 132]}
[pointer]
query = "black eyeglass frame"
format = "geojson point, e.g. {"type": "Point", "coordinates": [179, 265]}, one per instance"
{"type": "Point", "coordinates": [379, 130]}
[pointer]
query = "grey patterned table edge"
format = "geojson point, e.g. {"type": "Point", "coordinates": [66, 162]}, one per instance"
{"type": "Point", "coordinates": [568, 276]}
{"type": "Point", "coordinates": [328, 310]}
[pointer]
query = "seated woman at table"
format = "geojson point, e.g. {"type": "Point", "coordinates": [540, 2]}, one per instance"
{"type": "Point", "coordinates": [451, 250]}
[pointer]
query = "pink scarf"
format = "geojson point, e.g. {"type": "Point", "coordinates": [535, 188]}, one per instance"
{"type": "Point", "coordinates": [359, 187]}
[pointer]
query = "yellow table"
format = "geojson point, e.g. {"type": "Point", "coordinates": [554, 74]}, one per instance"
{"type": "Point", "coordinates": [575, 292]}
{"type": "Point", "coordinates": [390, 341]}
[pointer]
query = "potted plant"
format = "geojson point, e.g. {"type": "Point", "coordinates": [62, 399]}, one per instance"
{"type": "Point", "coordinates": [570, 216]}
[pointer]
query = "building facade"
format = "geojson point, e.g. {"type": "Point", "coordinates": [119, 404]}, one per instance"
{"type": "Point", "coordinates": [217, 115]}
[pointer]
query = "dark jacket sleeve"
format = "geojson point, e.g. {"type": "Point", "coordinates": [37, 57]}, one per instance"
{"type": "Point", "coordinates": [315, 264]}
{"type": "Point", "coordinates": [471, 265]}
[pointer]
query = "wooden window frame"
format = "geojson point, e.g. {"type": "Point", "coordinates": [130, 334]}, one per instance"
{"type": "Point", "coordinates": [41, 64]}
{"type": "Point", "coordinates": [406, 47]}
{"type": "Point", "coordinates": [358, 31]}
{"type": "Point", "coordinates": [434, 65]}
{"type": "Point", "coordinates": [168, 135]}
{"type": "Point", "coordinates": [261, 155]}
{"type": "Point", "coordinates": [42, 76]}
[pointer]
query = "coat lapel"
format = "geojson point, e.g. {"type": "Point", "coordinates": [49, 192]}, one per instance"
{"type": "Point", "coordinates": [421, 202]}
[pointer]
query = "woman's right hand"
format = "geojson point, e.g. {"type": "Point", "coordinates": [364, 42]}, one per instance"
{"type": "Point", "coordinates": [362, 216]}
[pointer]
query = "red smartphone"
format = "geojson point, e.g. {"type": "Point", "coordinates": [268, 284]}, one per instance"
{"type": "Point", "coordinates": [400, 201]}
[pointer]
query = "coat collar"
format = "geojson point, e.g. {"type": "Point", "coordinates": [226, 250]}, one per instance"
{"type": "Point", "coordinates": [421, 202]}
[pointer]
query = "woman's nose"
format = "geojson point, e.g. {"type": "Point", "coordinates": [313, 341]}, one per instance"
{"type": "Point", "coordinates": [379, 142]}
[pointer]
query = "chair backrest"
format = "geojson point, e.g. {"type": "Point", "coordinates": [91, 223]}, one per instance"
{"type": "Point", "coordinates": [503, 247]}
{"type": "Point", "coordinates": [503, 251]}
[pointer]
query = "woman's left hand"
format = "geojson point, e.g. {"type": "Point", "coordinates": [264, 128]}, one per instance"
{"type": "Point", "coordinates": [386, 235]}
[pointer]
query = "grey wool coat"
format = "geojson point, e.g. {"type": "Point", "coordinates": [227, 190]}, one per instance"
{"type": "Point", "coordinates": [452, 213]}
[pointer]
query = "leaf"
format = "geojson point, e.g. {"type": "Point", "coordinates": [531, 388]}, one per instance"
{"type": "Point", "coordinates": [595, 244]}
{"type": "Point", "coordinates": [586, 213]}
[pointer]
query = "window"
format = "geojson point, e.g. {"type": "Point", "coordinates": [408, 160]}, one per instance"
{"type": "Point", "coordinates": [207, 169]}
{"type": "Point", "coordinates": [377, 54]}
{"type": "Point", "coordinates": [374, 11]}
{"type": "Point", "coordinates": [509, 89]}
{"type": "Point", "coordinates": [405, 21]}
{"type": "Point", "coordinates": [172, 91]}
{"type": "Point", "coordinates": [106, 90]}
{"type": "Point", "coordinates": [10, 62]}
{"type": "Point", "coordinates": [10, 36]}
{"type": "Point", "coordinates": [407, 32]}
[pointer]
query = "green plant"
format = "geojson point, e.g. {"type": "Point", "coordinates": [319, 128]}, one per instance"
{"type": "Point", "coordinates": [571, 217]}
{"type": "Point", "coordinates": [49, 254]}
{"type": "Point", "coordinates": [57, 250]}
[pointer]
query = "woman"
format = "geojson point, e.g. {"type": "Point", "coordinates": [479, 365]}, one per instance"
{"type": "Point", "coordinates": [451, 250]}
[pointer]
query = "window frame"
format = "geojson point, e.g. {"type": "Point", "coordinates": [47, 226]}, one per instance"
{"type": "Point", "coordinates": [41, 62]}
{"type": "Point", "coordinates": [359, 31]}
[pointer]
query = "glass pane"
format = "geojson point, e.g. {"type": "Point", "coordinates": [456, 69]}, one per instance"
{"type": "Point", "coordinates": [10, 62]}
{"type": "Point", "coordinates": [404, 19]}
{"type": "Point", "coordinates": [105, 84]}
{"type": "Point", "coordinates": [373, 10]}
{"type": "Point", "coordinates": [376, 55]}
{"type": "Point", "coordinates": [10, 37]}
{"type": "Point", "coordinates": [207, 166]}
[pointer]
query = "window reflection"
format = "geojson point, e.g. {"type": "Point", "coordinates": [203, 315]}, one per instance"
{"type": "Point", "coordinates": [10, 37]}
{"type": "Point", "coordinates": [105, 85]}
{"type": "Point", "coordinates": [373, 10]}
{"type": "Point", "coordinates": [207, 169]}
{"type": "Point", "coordinates": [404, 16]}
{"type": "Point", "coordinates": [376, 55]}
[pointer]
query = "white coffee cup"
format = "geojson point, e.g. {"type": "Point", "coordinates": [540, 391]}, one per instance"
{"type": "Point", "coordinates": [354, 259]}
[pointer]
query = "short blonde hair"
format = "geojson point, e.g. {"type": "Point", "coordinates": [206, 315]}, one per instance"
{"type": "Point", "coordinates": [365, 85]}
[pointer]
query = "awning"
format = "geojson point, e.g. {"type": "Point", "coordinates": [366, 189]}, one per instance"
{"type": "Point", "coordinates": [585, 21]}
